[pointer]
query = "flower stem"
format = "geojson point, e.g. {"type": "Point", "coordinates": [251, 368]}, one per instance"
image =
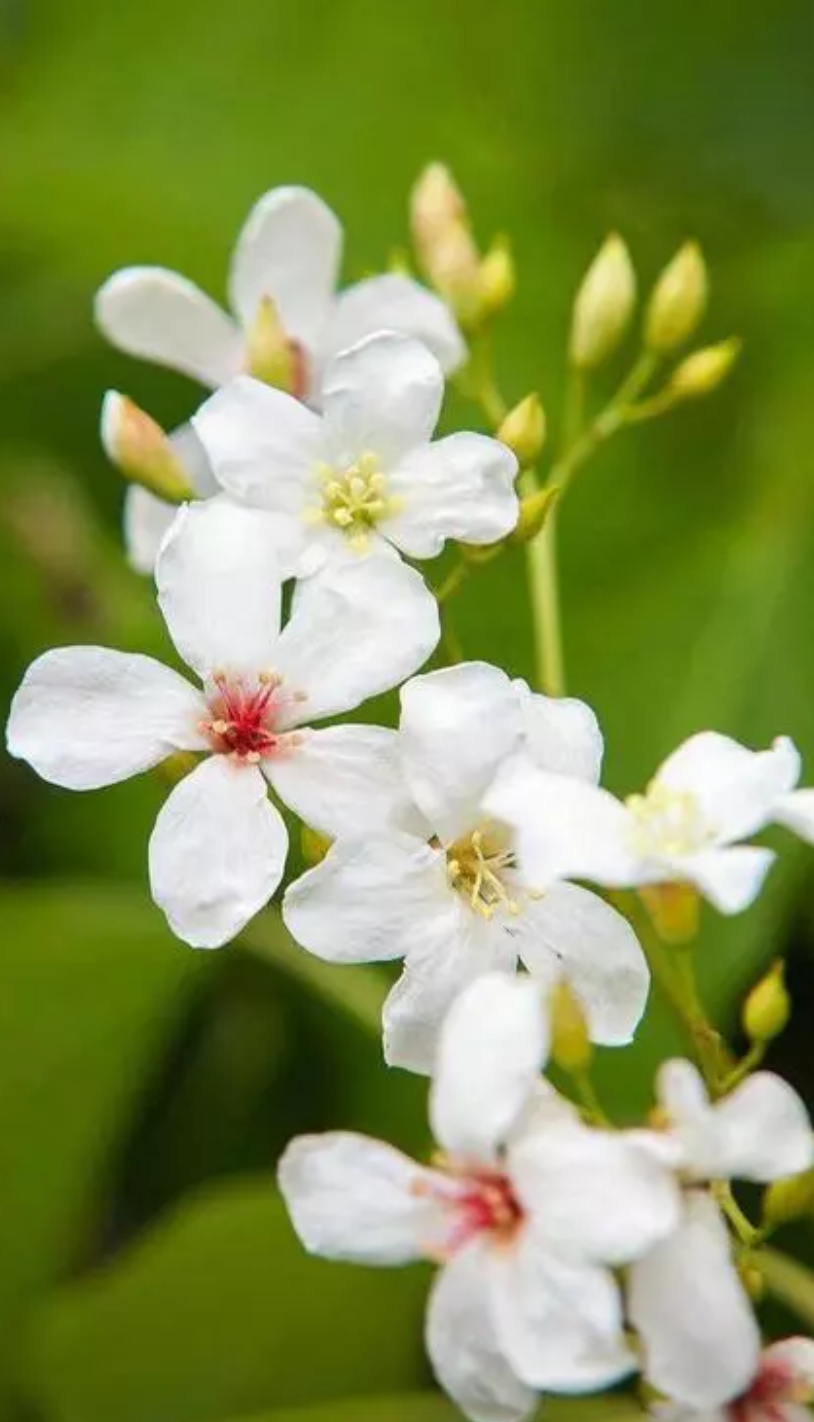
{"type": "Point", "coordinates": [544, 596]}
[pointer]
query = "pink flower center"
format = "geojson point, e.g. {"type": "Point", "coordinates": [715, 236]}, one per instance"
{"type": "Point", "coordinates": [773, 1386]}
{"type": "Point", "coordinates": [242, 717]}
{"type": "Point", "coordinates": [477, 1202]}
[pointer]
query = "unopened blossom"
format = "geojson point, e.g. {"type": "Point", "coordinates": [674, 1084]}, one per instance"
{"type": "Point", "coordinates": [523, 1207]}
{"type": "Point", "coordinates": [365, 473]}
{"type": "Point", "coordinates": [282, 279]}
{"type": "Point", "coordinates": [779, 1390]}
{"type": "Point", "coordinates": [88, 716]}
{"type": "Point", "coordinates": [699, 1338]}
{"type": "Point", "coordinates": [707, 796]}
{"type": "Point", "coordinates": [446, 890]}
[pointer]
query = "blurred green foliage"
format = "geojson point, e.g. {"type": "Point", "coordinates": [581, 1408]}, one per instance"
{"type": "Point", "coordinates": [145, 1271]}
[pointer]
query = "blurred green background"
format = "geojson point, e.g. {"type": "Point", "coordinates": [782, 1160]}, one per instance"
{"type": "Point", "coordinates": [146, 1271]}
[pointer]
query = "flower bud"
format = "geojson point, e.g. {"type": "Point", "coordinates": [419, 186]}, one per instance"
{"type": "Point", "coordinates": [443, 240]}
{"type": "Point", "coordinates": [496, 279]}
{"type": "Point", "coordinates": [436, 204]}
{"type": "Point", "coordinates": [269, 354]}
{"type": "Point", "coordinates": [534, 510]}
{"type": "Point", "coordinates": [140, 449]}
{"type": "Point", "coordinates": [752, 1279]}
{"type": "Point", "coordinates": [789, 1199]}
{"type": "Point", "coordinates": [603, 306]}
{"type": "Point", "coordinates": [704, 370]}
{"type": "Point", "coordinates": [314, 846]}
{"type": "Point", "coordinates": [678, 301]}
{"type": "Point", "coordinates": [768, 1007]}
{"type": "Point", "coordinates": [673, 910]}
{"type": "Point", "coordinates": [570, 1044]}
{"type": "Point", "coordinates": [523, 430]}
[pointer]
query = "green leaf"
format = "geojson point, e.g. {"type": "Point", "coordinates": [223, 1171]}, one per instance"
{"type": "Point", "coordinates": [91, 984]}
{"type": "Point", "coordinates": [790, 1282]}
{"type": "Point", "coordinates": [219, 1310]}
{"type": "Point", "coordinates": [433, 1407]}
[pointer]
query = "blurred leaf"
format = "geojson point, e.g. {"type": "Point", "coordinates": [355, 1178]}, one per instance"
{"type": "Point", "coordinates": [433, 1407]}
{"type": "Point", "coordinates": [91, 984]}
{"type": "Point", "coordinates": [219, 1310]}
{"type": "Point", "coordinates": [790, 1282]}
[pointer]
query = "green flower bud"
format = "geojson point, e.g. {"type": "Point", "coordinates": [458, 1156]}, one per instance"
{"type": "Point", "coordinates": [603, 306]}
{"type": "Point", "coordinates": [269, 353]}
{"type": "Point", "coordinates": [789, 1199]}
{"type": "Point", "coordinates": [534, 511]}
{"type": "Point", "coordinates": [570, 1043]}
{"type": "Point", "coordinates": [314, 846]}
{"type": "Point", "coordinates": [678, 301]}
{"type": "Point", "coordinates": [703, 371]}
{"type": "Point", "coordinates": [141, 451]}
{"type": "Point", "coordinates": [768, 1006]}
{"type": "Point", "coordinates": [524, 429]}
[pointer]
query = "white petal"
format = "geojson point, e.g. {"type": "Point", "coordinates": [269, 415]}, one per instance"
{"type": "Point", "coordinates": [263, 444]}
{"type": "Point", "coordinates": [595, 949]}
{"type": "Point", "coordinates": [217, 852]}
{"type": "Point", "coordinates": [355, 631]}
{"type": "Point", "coordinates": [219, 587]}
{"type": "Point", "coordinates": [736, 788]}
{"type": "Point", "coordinates": [463, 1347]}
{"type": "Point", "coordinates": [344, 778]}
{"type": "Point", "coordinates": [87, 716]}
{"type": "Point", "coordinates": [492, 1047]}
{"type": "Point", "coordinates": [457, 725]}
{"type": "Point", "coordinates": [562, 734]}
{"type": "Point", "coordinates": [559, 1322]}
{"type": "Point", "coordinates": [460, 487]}
{"type": "Point", "coordinates": [796, 812]}
{"type": "Point", "coordinates": [730, 878]}
{"type": "Point", "coordinates": [160, 316]}
{"type": "Point", "coordinates": [383, 396]}
{"type": "Point", "coordinates": [393, 302]}
{"type": "Point", "coordinates": [187, 447]}
{"type": "Point", "coordinates": [762, 1131]}
{"type": "Point", "coordinates": [147, 520]}
{"type": "Point", "coordinates": [701, 1342]}
{"type": "Point", "coordinates": [564, 828]}
{"type": "Point", "coordinates": [289, 249]}
{"type": "Point", "coordinates": [371, 899]}
{"type": "Point", "coordinates": [595, 1195]}
{"type": "Point", "coordinates": [795, 1356]}
{"type": "Point", "coordinates": [445, 955]}
{"type": "Point", "coordinates": [354, 1198]}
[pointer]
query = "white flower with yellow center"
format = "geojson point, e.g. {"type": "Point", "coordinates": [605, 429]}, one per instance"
{"type": "Point", "coordinates": [445, 888]}
{"type": "Point", "coordinates": [87, 716]}
{"type": "Point", "coordinates": [524, 1209]}
{"type": "Point", "coordinates": [363, 475]}
{"type": "Point", "coordinates": [700, 1341]}
{"type": "Point", "coordinates": [709, 794]}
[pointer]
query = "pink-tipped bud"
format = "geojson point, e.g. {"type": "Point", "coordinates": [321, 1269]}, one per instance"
{"type": "Point", "coordinates": [141, 450]}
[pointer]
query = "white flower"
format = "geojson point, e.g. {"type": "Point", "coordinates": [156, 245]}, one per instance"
{"type": "Point", "coordinates": [695, 1321]}
{"type": "Point", "coordinates": [86, 716]}
{"type": "Point", "coordinates": [446, 891]}
{"type": "Point", "coordinates": [523, 1208]}
{"type": "Point", "coordinates": [364, 474]}
{"type": "Point", "coordinates": [289, 251]}
{"type": "Point", "coordinates": [778, 1391]}
{"type": "Point", "coordinates": [707, 795]}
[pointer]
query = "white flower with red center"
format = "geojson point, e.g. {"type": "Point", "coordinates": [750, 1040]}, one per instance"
{"type": "Point", "coordinates": [708, 795]}
{"type": "Point", "coordinates": [87, 716]}
{"type": "Point", "coordinates": [525, 1209]}
{"type": "Point", "coordinates": [779, 1390]}
{"type": "Point", "coordinates": [288, 252]}
{"type": "Point", "coordinates": [446, 889]}
{"type": "Point", "coordinates": [699, 1337]}
{"type": "Point", "coordinates": [364, 474]}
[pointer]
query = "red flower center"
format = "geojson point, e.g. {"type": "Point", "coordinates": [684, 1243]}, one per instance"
{"type": "Point", "coordinates": [242, 717]}
{"type": "Point", "coordinates": [476, 1201]}
{"type": "Point", "coordinates": [771, 1388]}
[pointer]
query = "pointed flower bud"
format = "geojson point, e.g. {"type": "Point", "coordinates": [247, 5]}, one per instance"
{"type": "Point", "coordinates": [570, 1043]}
{"type": "Point", "coordinates": [789, 1199]}
{"type": "Point", "coordinates": [678, 301]}
{"type": "Point", "coordinates": [603, 306]}
{"type": "Point", "coordinates": [444, 244]}
{"type": "Point", "coordinates": [534, 511]}
{"type": "Point", "coordinates": [314, 845]}
{"type": "Point", "coordinates": [140, 449]}
{"type": "Point", "coordinates": [269, 354]}
{"type": "Point", "coordinates": [704, 370]}
{"type": "Point", "coordinates": [496, 279]}
{"type": "Point", "coordinates": [523, 430]}
{"type": "Point", "coordinates": [768, 1006]}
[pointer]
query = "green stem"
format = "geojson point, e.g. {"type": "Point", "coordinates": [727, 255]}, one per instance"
{"type": "Point", "coordinates": [453, 581]}
{"type": "Point", "coordinates": [790, 1282]}
{"type": "Point", "coordinates": [586, 1093]}
{"type": "Point", "coordinates": [544, 592]}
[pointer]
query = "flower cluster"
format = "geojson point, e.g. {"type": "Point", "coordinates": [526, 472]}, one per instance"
{"type": "Point", "coordinates": [473, 841]}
